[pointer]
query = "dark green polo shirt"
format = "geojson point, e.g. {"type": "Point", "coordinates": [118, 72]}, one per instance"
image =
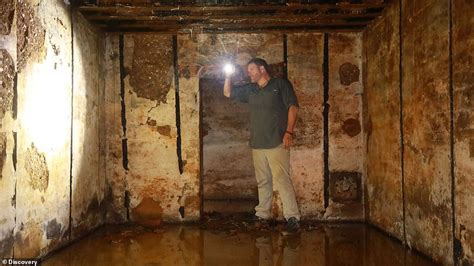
{"type": "Point", "coordinates": [268, 110]}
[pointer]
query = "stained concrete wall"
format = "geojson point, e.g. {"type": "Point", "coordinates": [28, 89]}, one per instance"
{"type": "Point", "coordinates": [8, 127]}
{"type": "Point", "coordinates": [44, 127]}
{"type": "Point", "coordinates": [431, 187]}
{"type": "Point", "coordinates": [154, 182]}
{"type": "Point", "coordinates": [143, 166]}
{"type": "Point", "coordinates": [37, 83]}
{"type": "Point", "coordinates": [143, 138]}
{"type": "Point", "coordinates": [463, 101]}
{"type": "Point", "coordinates": [382, 98]}
{"type": "Point", "coordinates": [115, 171]}
{"type": "Point", "coordinates": [89, 192]}
{"type": "Point", "coordinates": [305, 71]}
{"type": "Point", "coordinates": [345, 115]}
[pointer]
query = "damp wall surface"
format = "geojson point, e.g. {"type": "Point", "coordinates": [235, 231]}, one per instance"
{"type": "Point", "coordinates": [419, 127]}
{"type": "Point", "coordinates": [49, 129]}
{"type": "Point", "coordinates": [90, 193]}
{"type": "Point", "coordinates": [160, 169]}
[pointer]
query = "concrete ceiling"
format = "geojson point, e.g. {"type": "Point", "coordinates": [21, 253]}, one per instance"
{"type": "Point", "coordinates": [229, 15]}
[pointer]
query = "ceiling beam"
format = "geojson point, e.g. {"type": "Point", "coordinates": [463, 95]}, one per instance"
{"type": "Point", "coordinates": [150, 10]}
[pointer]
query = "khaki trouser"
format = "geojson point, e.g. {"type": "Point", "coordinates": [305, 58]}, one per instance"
{"type": "Point", "coordinates": [272, 167]}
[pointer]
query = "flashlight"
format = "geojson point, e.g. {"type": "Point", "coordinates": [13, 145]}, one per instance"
{"type": "Point", "coordinates": [229, 69]}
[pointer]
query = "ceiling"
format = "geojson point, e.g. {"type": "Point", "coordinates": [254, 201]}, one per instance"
{"type": "Point", "coordinates": [216, 16]}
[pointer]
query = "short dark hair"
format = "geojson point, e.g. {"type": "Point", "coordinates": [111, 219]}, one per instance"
{"type": "Point", "coordinates": [259, 62]}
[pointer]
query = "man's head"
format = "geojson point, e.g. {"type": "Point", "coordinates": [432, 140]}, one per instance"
{"type": "Point", "coordinates": [256, 69]}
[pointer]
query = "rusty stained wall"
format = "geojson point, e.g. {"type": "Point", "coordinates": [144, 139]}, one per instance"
{"type": "Point", "coordinates": [150, 118]}
{"type": "Point", "coordinates": [7, 127]}
{"type": "Point", "coordinates": [382, 98]}
{"type": "Point", "coordinates": [112, 130]}
{"type": "Point", "coordinates": [426, 127]}
{"type": "Point", "coordinates": [427, 161]}
{"type": "Point", "coordinates": [156, 189]}
{"type": "Point", "coordinates": [44, 127]}
{"type": "Point", "coordinates": [463, 86]}
{"type": "Point", "coordinates": [345, 123]}
{"type": "Point", "coordinates": [88, 177]}
{"type": "Point", "coordinates": [305, 71]}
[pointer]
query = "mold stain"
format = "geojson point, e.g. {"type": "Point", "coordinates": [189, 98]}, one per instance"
{"type": "Point", "coordinates": [348, 73]}
{"type": "Point", "coordinates": [30, 34]}
{"type": "Point", "coordinates": [3, 152]}
{"type": "Point", "coordinates": [37, 169]}
{"type": "Point", "coordinates": [148, 213]}
{"type": "Point", "coordinates": [53, 229]}
{"type": "Point", "coordinates": [7, 12]}
{"type": "Point", "coordinates": [7, 76]}
{"type": "Point", "coordinates": [351, 127]}
{"type": "Point", "coordinates": [152, 67]}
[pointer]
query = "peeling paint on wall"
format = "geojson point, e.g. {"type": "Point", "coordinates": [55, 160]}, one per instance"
{"type": "Point", "coordinates": [43, 125]}
{"type": "Point", "coordinates": [37, 169]}
{"type": "Point", "coordinates": [3, 152]}
{"type": "Point", "coordinates": [30, 34]}
{"type": "Point", "coordinates": [7, 12]}
{"type": "Point", "coordinates": [7, 76]}
{"type": "Point", "coordinates": [151, 69]}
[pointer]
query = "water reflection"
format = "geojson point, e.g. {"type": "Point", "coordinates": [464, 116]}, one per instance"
{"type": "Point", "coordinates": [333, 245]}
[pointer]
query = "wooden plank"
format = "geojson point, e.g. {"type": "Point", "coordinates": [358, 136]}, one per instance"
{"type": "Point", "coordinates": [195, 8]}
{"type": "Point", "coordinates": [283, 30]}
{"type": "Point", "coordinates": [100, 17]}
{"type": "Point", "coordinates": [229, 25]}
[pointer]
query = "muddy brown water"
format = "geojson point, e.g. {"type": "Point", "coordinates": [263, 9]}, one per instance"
{"type": "Point", "coordinates": [236, 243]}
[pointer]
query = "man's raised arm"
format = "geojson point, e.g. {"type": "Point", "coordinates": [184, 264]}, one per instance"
{"type": "Point", "coordinates": [227, 87]}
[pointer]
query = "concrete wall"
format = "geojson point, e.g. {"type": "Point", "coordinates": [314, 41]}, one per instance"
{"type": "Point", "coordinates": [427, 194]}
{"type": "Point", "coordinates": [37, 117]}
{"type": "Point", "coordinates": [463, 101]}
{"type": "Point", "coordinates": [345, 115]}
{"type": "Point", "coordinates": [44, 127]}
{"type": "Point", "coordinates": [152, 138]}
{"type": "Point", "coordinates": [89, 192]}
{"type": "Point", "coordinates": [305, 71]}
{"type": "Point", "coordinates": [8, 127]}
{"type": "Point", "coordinates": [382, 98]}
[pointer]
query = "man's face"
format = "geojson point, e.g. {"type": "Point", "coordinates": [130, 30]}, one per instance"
{"type": "Point", "coordinates": [254, 72]}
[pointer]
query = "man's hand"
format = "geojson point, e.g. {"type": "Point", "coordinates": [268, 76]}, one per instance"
{"type": "Point", "coordinates": [287, 140]}
{"type": "Point", "coordinates": [227, 87]}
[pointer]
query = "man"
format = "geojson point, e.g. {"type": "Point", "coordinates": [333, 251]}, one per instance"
{"type": "Point", "coordinates": [273, 111]}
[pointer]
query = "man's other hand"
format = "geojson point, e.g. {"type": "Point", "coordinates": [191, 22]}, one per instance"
{"type": "Point", "coordinates": [287, 140]}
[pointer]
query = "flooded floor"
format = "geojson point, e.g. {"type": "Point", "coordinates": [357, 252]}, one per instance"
{"type": "Point", "coordinates": [236, 243]}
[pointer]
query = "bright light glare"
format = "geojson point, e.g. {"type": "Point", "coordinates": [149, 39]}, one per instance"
{"type": "Point", "coordinates": [229, 69]}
